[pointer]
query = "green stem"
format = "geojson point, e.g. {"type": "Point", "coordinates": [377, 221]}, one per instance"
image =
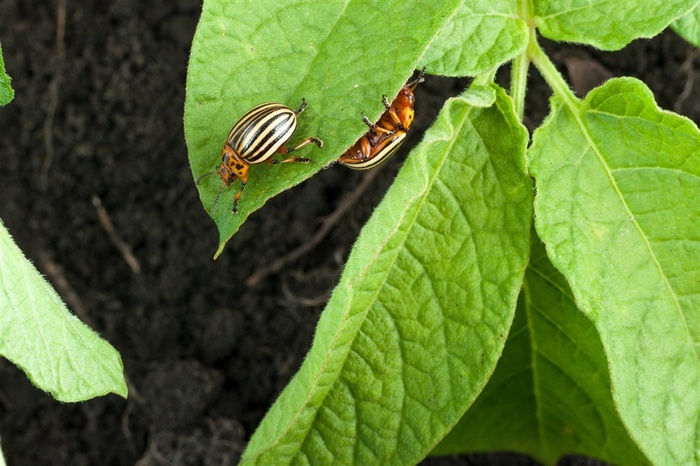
{"type": "Point", "coordinates": [520, 65]}
{"type": "Point", "coordinates": [484, 79]}
{"type": "Point", "coordinates": [550, 74]}
{"type": "Point", "coordinates": [518, 83]}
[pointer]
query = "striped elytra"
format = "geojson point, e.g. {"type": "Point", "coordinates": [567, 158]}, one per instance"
{"type": "Point", "coordinates": [366, 156]}
{"type": "Point", "coordinates": [262, 131]}
{"type": "Point", "coordinates": [385, 136]}
{"type": "Point", "coordinates": [255, 138]}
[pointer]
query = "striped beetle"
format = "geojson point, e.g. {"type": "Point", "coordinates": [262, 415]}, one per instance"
{"type": "Point", "coordinates": [254, 139]}
{"type": "Point", "coordinates": [387, 135]}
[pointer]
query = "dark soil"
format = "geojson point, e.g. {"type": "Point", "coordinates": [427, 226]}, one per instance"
{"type": "Point", "coordinates": [98, 115]}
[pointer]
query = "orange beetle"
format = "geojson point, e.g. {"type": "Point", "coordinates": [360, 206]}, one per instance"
{"type": "Point", "coordinates": [386, 135]}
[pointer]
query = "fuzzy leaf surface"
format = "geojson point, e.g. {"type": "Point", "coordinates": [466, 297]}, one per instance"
{"type": "Point", "coordinates": [414, 328]}
{"type": "Point", "coordinates": [248, 52]}
{"type": "Point", "coordinates": [550, 394]}
{"type": "Point", "coordinates": [480, 36]}
{"type": "Point", "coordinates": [606, 24]}
{"type": "Point", "coordinates": [59, 353]}
{"type": "Point", "coordinates": [6, 91]}
{"type": "Point", "coordinates": [618, 208]}
{"type": "Point", "coordinates": [688, 27]}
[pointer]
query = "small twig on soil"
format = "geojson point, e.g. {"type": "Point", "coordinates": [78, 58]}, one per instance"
{"type": "Point", "coordinates": [134, 397]}
{"type": "Point", "coordinates": [55, 273]}
{"type": "Point", "coordinates": [320, 234]}
{"type": "Point", "coordinates": [114, 236]}
{"type": "Point", "coordinates": [301, 300]}
{"type": "Point", "coordinates": [126, 414]}
{"type": "Point", "coordinates": [687, 67]}
{"type": "Point", "coordinates": [53, 94]}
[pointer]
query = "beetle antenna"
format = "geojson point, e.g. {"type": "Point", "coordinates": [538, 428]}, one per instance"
{"type": "Point", "coordinates": [216, 200]}
{"type": "Point", "coordinates": [199, 180]}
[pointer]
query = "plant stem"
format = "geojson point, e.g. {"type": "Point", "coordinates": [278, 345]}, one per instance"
{"type": "Point", "coordinates": [518, 83]}
{"type": "Point", "coordinates": [520, 65]}
{"type": "Point", "coordinates": [484, 79]}
{"type": "Point", "coordinates": [550, 74]}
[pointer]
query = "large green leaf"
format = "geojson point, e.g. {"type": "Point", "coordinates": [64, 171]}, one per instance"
{"type": "Point", "coordinates": [341, 56]}
{"type": "Point", "coordinates": [618, 208]}
{"type": "Point", "coordinates": [606, 24]}
{"type": "Point", "coordinates": [688, 27]}
{"type": "Point", "coordinates": [415, 326]}
{"type": "Point", "coordinates": [550, 394]}
{"type": "Point", "coordinates": [6, 92]}
{"type": "Point", "coordinates": [59, 353]}
{"type": "Point", "coordinates": [480, 36]}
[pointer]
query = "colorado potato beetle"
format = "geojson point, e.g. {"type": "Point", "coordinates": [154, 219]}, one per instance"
{"type": "Point", "coordinates": [386, 135]}
{"type": "Point", "coordinates": [260, 134]}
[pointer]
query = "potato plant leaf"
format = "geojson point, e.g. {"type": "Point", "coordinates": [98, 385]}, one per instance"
{"type": "Point", "coordinates": [606, 24]}
{"type": "Point", "coordinates": [478, 37]}
{"type": "Point", "coordinates": [58, 352]}
{"type": "Point", "coordinates": [245, 53]}
{"type": "Point", "coordinates": [550, 394]}
{"type": "Point", "coordinates": [618, 208]}
{"type": "Point", "coordinates": [6, 91]}
{"type": "Point", "coordinates": [688, 27]}
{"type": "Point", "coordinates": [413, 330]}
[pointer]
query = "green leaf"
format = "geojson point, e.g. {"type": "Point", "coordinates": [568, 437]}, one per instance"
{"type": "Point", "coordinates": [688, 27]}
{"type": "Point", "coordinates": [6, 92]}
{"type": "Point", "coordinates": [606, 24]}
{"type": "Point", "coordinates": [550, 394]}
{"type": "Point", "coordinates": [618, 208]}
{"type": "Point", "coordinates": [59, 354]}
{"type": "Point", "coordinates": [340, 56]}
{"type": "Point", "coordinates": [480, 96]}
{"type": "Point", "coordinates": [415, 326]}
{"type": "Point", "coordinates": [480, 36]}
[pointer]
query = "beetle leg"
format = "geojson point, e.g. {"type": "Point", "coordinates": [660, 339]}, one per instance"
{"type": "Point", "coordinates": [285, 150]}
{"type": "Point", "coordinates": [244, 181]}
{"type": "Point", "coordinates": [381, 130]}
{"type": "Point", "coordinates": [293, 159]}
{"type": "Point", "coordinates": [419, 79]}
{"type": "Point", "coordinates": [395, 117]}
{"type": "Point", "coordinates": [301, 107]}
{"type": "Point", "coordinates": [234, 207]}
{"type": "Point", "coordinates": [386, 103]}
{"type": "Point", "coordinates": [317, 141]}
{"type": "Point", "coordinates": [365, 149]}
{"type": "Point", "coordinates": [377, 131]}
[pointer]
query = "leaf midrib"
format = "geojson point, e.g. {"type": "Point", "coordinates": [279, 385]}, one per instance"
{"type": "Point", "coordinates": [393, 235]}
{"type": "Point", "coordinates": [573, 106]}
